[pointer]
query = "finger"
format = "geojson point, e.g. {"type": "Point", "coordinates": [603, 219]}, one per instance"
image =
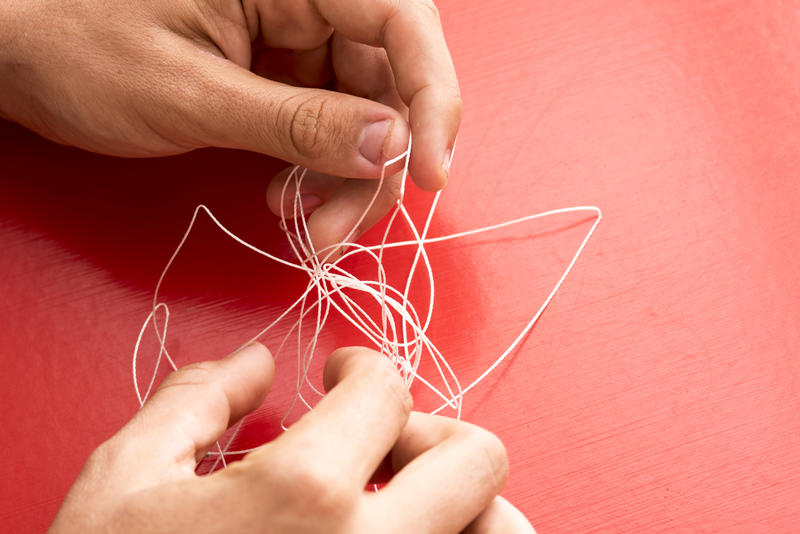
{"type": "Point", "coordinates": [337, 207]}
{"type": "Point", "coordinates": [301, 68]}
{"type": "Point", "coordinates": [294, 25]}
{"type": "Point", "coordinates": [448, 473]}
{"type": "Point", "coordinates": [315, 189]}
{"type": "Point", "coordinates": [326, 131]}
{"type": "Point", "coordinates": [364, 71]}
{"type": "Point", "coordinates": [344, 215]}
{"type": "Point", "coordinates": [192, 407]}
{"type": "Point", "coordinates": [312, 68]}
{"type": "Point", "coordinates": [500, 516]}
{"type": "Point", "coordinates": [353, 426]}
{"type": "Point", "coordinates": [412, 35]}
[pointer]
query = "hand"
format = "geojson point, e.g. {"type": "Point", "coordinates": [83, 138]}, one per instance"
{"type": "Point", "coordinates": [152, 78]}
{"type": "Point", "coordinates": [310, 479]}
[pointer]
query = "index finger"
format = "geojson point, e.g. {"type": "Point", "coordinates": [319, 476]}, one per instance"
{"type": "Point", "coordinates": [352, 428]}
{"type": "Point", "coordinates": [192, 407]}
{"type": "Point", "coordinates": [411, 32]}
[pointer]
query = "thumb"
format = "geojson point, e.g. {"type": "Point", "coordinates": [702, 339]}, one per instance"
{"type": "Point", "coordinates": [326, 131]}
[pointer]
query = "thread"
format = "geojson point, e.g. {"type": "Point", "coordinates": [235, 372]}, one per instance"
{"type": "Point", "coordinates": [399, 332]}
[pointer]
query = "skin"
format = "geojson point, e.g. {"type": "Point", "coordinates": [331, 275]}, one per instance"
{"type": "Point", "coordinates": [301, 80]}
{"type": "Point", "coordinates": [335, 86]}
{"type": "Point", "coordinates": [311, 478]}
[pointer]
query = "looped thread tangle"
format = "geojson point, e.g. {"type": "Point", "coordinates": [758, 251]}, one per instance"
{"type": "Point", "coordinates": [399, 330]}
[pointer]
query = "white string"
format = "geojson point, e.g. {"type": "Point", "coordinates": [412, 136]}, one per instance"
{"type": "Point", "coordinates": [399, 332]}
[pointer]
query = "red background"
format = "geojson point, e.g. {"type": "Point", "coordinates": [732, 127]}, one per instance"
{"type": "Point", "coordinates": [659, 392]}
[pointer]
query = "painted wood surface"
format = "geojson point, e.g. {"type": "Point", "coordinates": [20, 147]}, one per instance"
{"type": "Point", "coordinates": [659, 392]}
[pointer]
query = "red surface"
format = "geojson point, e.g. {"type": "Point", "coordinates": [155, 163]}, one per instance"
{"type": "Point", "coordinates": [660, 390]}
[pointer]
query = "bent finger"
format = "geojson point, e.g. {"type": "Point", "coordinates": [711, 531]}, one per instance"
{"type": "Point", "coordinates": [353, 426]}
{"type": "Point", "coordinates": [315, 189]}
{"type": "Point", "coordinates": [365, 71]}
{"type": "Point", "coordinates": [411, 32]}
{"type": "Point", "coordinates": [355, 207]}
{"type": "Point", "coordinates": [338, 209]}
{"type": "Point", "coordinates": [447, 474]}
{"type": "Point", "coordinates": [193, 406]}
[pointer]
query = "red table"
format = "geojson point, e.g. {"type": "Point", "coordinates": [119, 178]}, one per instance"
{"type": "Point", "coordinates": [659, 392]}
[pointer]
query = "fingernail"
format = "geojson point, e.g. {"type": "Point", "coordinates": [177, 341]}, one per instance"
{"type": "Point", "coordinates": [448, 156]}
{"type": "Point", "coordinates": [309, 202]}
{"type": "Point", "coordinates": [373, 139]}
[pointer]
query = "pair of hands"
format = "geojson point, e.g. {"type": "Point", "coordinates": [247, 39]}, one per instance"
{"type": "Point", "coordinates": [310, 479]}
{"type": "Point", "coordinates": [333, 85]}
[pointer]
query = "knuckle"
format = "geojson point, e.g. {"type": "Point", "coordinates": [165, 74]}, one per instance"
{"type": "Point", "coordinates": [133, 515]}
{"type": "Point", "coordinates": [492, 459]}
{"type": "Point", "coordinates": [100, 458]}
{"type": "Point", "coordinates": [200, 382]}
{"type": "Point", "coordinates": [195, 374]}
{"type": "Point", "coordinates": [315, 481]}
{"type": "Point", "coordinates": [303, 487]}
{"type": "Point", "coordinates": [390, 9]}
{"type": "Point", "coordinates": [321, 485]}
{"type": "Point", "coordinates": [429, 8]}
{"type": "Point", "coordinates": [312, 132]}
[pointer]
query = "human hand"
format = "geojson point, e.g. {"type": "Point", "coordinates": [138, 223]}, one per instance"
{"type": "Point", "coordinates": [310, 479]}
{"type": "Point", "coordinates": [152, 78]}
